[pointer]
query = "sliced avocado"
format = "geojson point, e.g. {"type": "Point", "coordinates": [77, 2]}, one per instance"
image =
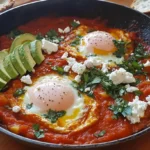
{"type": "Point", "coordinates": [26, 58]}
{"type": "Point", "coordinates": [9, 67]}
{"type": "Point", "coordinates": [2, 83]}
{"type": "Point", "coordinates": [16, 61]}
{"type": "Point", "coordinates": [36, 51]}
{"type": "Point", "coordinates": [3, 54]}
{"type": "Point", "coordinates": [27, 37]}
{"type": "Point", "coordinates": [3, 74]}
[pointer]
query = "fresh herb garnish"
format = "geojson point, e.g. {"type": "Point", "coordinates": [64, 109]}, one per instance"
{"type": "Point", "coordinates": [14, 33]}
{"type": "Point", "coordinates": [74, 24]}
{"type": "Point", "coordinates": [52, 36]}
{"type": "Point", "coordinates": [60, 70]}
{"type": "Point", "coordinates": [138, 92]}
{"type": "Point", "coordinates": [29, 106]}
{"type": "Point", "coordinates": [76, 41]}
{"type": "Point", "coordinates": [120, 108]}
{"type": "Point", "coordinates": [53, 116]}
{"type": "Point", "coordinates": [100, 134]}
{"type": "Point", "coordinates": [39, 36]}
{"type": "Point", "coordinates": [19, 92]}
{"type": "Point", "coordinates": [121, 48]}
{"type": "Point", "coordinates": [39, 133]}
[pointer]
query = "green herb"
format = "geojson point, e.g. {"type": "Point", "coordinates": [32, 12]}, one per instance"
{"type": "Point", "coordinates": [53, 116]}
{"type": "Point", "coordinates": [52, 36]}
{"type": "Point", "coordinates": [140, 53]}
{"type": "Point", "coordinates": [137, 93]}
{"type": "Point", "coordinates": [74, 24]}
{"type": "Point", "coordinates": [14, 33]}
{"type": "Point", "coordinates": [39, 36]}
{"type": "Point", "coordinates": [60, 70]}
{"type": "Point", "coordinates": [121, 108]}
{"type": "Point", "coordinates": [29, 106]}
{"type": "Point", "coordinates": [76, 41]}
{"type": "Point", "coordinates": [121, 48]}
{"type": "Point", "coordinates": [39, 133]}
{"type": "Point", "coordinates": [19, 92]}
{"type": "Point", "coordinates": [100, 134]}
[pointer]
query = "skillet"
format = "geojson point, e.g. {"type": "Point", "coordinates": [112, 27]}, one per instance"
{"type": "Point", "coordinates": [117, 16]}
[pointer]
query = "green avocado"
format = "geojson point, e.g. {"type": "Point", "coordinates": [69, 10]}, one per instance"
{"type": "Point", "coordinates": [26, 58]}
{"type": "Point", "coordinates": [27, 37]}
{"type": "Point", "coordinates": [16, 61]}
{"type": "Point", "coordinates": [36, 51]}
{"type": "Point", "coordinates": [2, 84]}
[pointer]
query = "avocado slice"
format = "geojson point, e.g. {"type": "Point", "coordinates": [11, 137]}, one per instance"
{"type": "Point", "coordinates": [9, 67]}
{"type": "Point", "coordinates": [27, 37]}
{"type": "Point", "coordinates": [26, 58]}
{"type": "Point", "coordinates": [36, 51]}
{"type": "Point", "coordinates": [2, 83]}
{"type": "Point", "coordinates": [3, 54]}
{"type": "Point", "coordinates": [3, 74]}
{"type": "Point", "coordinates": [16, 61]}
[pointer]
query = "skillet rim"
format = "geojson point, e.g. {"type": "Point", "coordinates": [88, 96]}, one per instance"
{"type": "Point", "coordinates": [74, 146]}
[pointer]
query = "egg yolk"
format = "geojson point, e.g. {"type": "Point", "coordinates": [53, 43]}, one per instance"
{"type": "Point", "coordinates": [99, 42]}
{"type": "Point", "coordinates": [51, 95]}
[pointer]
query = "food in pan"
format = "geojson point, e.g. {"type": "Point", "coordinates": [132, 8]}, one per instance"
{"type": "Point", "coordinates": [73, 81]}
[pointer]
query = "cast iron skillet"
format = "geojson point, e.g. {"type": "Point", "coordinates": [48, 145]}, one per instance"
{"type": "Point", "coordinates": [117, 16]}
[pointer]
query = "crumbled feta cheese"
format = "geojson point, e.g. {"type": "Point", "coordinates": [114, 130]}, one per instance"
{"type": "Point", "coordinates": [26, 88]}
{"type": "Point", "coordinates": [26, 79]}
{"type": "Point", "coordinates": [60, 30]}
{"type": "Point", "coordinates": [87, 89]}
{"type": "Point", "coordinates": [49, 47]}
{"type": "Point", "coordinates": [16, 109]}
{"type": "Point", "coordinates": [64, 56]}
{"type": "Point", "coordinates": [88, 63]}
{"type": "Point", "coordinates": [78, 68]}
{"type": "Point", "coordinates": [71, 61]}
{"type": "Point", "coordinates": [56, 41]}
{"type": "Point", "coordinates": [131, 89]}
{"type": "Point", "coordinates": [121, 76]}
{"type": "Point", "coordinates": [148, 99]}
{"type": "Point", "coordinates": [77, 21]}
{"type": "Point", "coordinates": [147, 64]}
{"type": "Point", "coordinates": [138, 110]}
{"type": "Point", "coordinates": [67, 68]}
{"type": "Point", "coordinates": [77, 78]}
{"type": "Point", "coordinates": [104, 67]}
{"type": "Point", "coordinates": [95, 61]}
{"type": "Point", "coordinates": [67, 30]}
{"type": "Point", "coordinates": [62, 37]}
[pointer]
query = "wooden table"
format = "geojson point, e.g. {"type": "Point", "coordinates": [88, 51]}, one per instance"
{"type": "Point", "coordinates": [142, 143]}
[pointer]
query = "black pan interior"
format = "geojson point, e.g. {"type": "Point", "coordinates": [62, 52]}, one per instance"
{"type": "Point", "coordinates": [117, 16]}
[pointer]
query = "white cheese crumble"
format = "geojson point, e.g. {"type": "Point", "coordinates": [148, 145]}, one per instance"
{"type": "Point", "coordinates": [87, 89]}
{"type": "Point", "coordinates": [78, 68]}
{"type": "Point", "coordinates": [67, 30]}
{"type": "Point", "coordinates": [147, 64]}
{"type": "Point", "coordinates": [77, 21]}
{"type": "Point", "coordinates": [64, 56]}
{"type": "Point", "coordinates": [71, 61]}
{"type": "Point", "coordinates": [49, 47]}
{"type": "Point", "coordinates": [67, 68]}
{"type": "Point", "coordinates": [131, 89]}
{"type": "Point", "coordinates": [121, 76]}
{"type": "Point", "coordinates": [138, 110]}
{"type": "Point", "coordinates": [88, 63]}
{"type": "Point", "coordinates": [104, 67]}
{"type": "Point", "coordinates": [16, 109]}
{"type": "Point", "coordinates": [60, 30]}
{"type": "Point", "coordinates": [77, 78]}
{"type": "Point", "coordinates": [148, 99]}
{"type": "Point", "coordinates": [26, 79]}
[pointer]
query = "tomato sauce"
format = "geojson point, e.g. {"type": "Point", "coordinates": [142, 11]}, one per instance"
{"type": "Point", "coordinates": [22, 124]}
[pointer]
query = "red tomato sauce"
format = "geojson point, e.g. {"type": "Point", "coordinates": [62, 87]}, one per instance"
{"type": "Point", "coordinates": [115, 129]}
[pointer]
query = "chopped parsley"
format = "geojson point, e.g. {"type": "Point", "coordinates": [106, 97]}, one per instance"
{"type": "Point", "coordinates": [19, 92]}
{"type": "Point", "coordinates": [14, 33]}
{"type": "Point", "coordinates": [76, 41]}
{"type": "Point", "coordinates": [53, 116]}
{"type": "Point", "coordinates": [52, 36]}
{"type": "Point", "coordinates": [120, 108]}
{"type": "Point", "coordinates": [39, 133]}
{"type": "Point", "coordinates": [29, 106]}
{"type": "Point", "coordinates": [60, 70]}
{"type": "Point", "coordinates": [100, 134]}
{"type": "Point", "coordinates": [121, 48]}
{"type": "Point", "coordinates": [39, 36]}
{"type": "Point", "coordinates": [74, 24]}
